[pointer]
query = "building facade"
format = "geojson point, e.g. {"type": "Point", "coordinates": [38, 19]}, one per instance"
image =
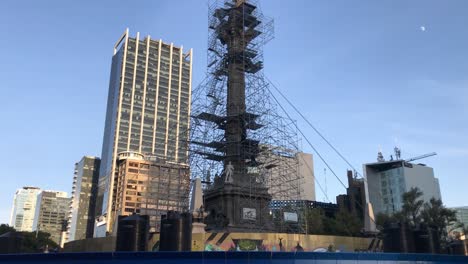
{"type": "Point", "coordinates": [24, 208]}
{"type": "Point", "coordinates": [462, 214]}
{"type": "Point", "coordinates": [306, 172]}
{"type": "Point", "coordinates": [386, 182]}
{"type": "Point", "coordinates": [83, 199]}
{"type": "Point", "coordinates": [282, 184]}
{"type": "Point", "coordinates": [462, 217]}
{"type": "Point", "coordinates": [51, 214]}
{"type": "Point", "coordinates": [151, 186]}
{"type": "Point", "coordinates": [148, 110]}
{"type": "Point", "coordinates": [354, 201]}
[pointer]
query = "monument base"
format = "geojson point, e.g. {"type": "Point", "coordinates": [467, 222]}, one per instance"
{"type": "Point", "coordinates": [234, 208]}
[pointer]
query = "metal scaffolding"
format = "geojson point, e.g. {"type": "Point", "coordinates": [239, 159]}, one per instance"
{"type": "Point", "coordinates": [240, 146]}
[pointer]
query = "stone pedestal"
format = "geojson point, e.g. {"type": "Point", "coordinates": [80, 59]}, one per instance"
{"type": "Point", "coordinates": [233, 208]}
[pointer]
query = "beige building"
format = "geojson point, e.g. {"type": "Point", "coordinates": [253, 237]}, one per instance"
{"type": "Point", "coordinates": [151, 186]}
{"type": "Point", "coordinates": [290, 174]}
{"type": "Point", "coordinates": [52, 208]}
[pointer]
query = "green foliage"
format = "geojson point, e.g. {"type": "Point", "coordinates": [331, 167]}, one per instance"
{"type": "Point", "coordinates": [315, 221]}
{"type": "Point", "coordinates": [5, 229]}
{"type": "Point", "coordinates": [458, 230]}
{"type": "Point", "coordinates": [412, 205]}
{"type": "Point", "coordinates": [247, 245]}
{"type": "Point", "coordinates": [32, 242]}
{"type": "Point", "coordinates": [436, 215]}
{"type": "Point", "coordinates": [344, 224]}
{"type": "Point", "coordinates": [415, 212]}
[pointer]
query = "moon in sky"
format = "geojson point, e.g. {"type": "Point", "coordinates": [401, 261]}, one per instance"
{"type": "Point", "coordinates": [423, 28]}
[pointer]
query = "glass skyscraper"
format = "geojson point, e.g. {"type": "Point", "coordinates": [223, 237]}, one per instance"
{"type": "Point", "coordinates": [83, 201]}
{"type": "Point", "coordinates": [148, 110]}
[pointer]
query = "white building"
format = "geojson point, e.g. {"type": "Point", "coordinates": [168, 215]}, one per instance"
{"type": "Point", "coordinates": [387, 181]}
{"type": "Point", "coordinates": [24, 207]}
{"type": "Point", "coordinates": [291, 176]}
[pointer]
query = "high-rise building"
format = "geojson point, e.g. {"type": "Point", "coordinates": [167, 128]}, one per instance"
{"type": "Point", "coordinates": [148, 110]}
{"type": "Point", "coordinates": [24, 207]}
{"type": "Point", "coordinates": [83, 199]}
{"type": "Point", "coordinates": [387, 181]}
{"type": "Point", "coordinates": [51, 213]}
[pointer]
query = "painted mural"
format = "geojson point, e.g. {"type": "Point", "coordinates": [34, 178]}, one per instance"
{"type": "Point", "coordinates": [273, 242]}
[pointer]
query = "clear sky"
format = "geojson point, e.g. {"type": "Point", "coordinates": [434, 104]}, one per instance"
{"type": "Point", "coordinates": [366, 73]}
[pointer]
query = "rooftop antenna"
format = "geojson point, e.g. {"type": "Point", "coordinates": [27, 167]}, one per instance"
{"type": "Point", "coordinates": [397, 153]}
{"type": "Point", "coordinates": [380, 157]}
{"type": "Point", "coordinates": [397, 150]}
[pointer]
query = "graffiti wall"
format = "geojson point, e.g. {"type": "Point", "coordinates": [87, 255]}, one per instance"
{"type": "Point", "coordinates": [273, 242]}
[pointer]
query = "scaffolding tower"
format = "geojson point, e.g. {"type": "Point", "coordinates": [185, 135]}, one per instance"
{"type": "Point", "coordinates": [241, 148]}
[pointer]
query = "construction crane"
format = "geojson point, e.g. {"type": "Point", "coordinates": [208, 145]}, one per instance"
{"type": "Point", "coordinates": [421, 157]}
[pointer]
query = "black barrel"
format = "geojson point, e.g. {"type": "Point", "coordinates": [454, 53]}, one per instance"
{"type": "Point", "coordinates": [398, 238]}
{"type": "Point", "coordinates": [132, 233]}
{"type": "Point", "coordinates": [176, 232]}
{"type": "Point", "coordinates": [11, 242]}
{"type": "Point", "coordinates": [426, 240]}
{"type": "Point", "coordinates": [459, 247]}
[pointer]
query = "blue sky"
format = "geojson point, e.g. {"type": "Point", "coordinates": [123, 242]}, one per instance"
{"type": "Point", "coordinates": [364, 72]}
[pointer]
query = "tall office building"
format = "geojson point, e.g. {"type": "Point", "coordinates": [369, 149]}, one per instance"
{"type": "Point", "coordinates": [24, 207]}
{"type": "Point", "coordinates": [387, 181]}
{"type": "Point", "coordinates": [51, 214]}
{"type": "Point", "coordinates": [83, 199]}
{"type": "Point", "coordinates": [148, 110]}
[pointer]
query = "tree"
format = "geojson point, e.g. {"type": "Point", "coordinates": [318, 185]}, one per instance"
{"type": "Point", "coordinates": [436, 215]}
{"type": "Point", "coordinates": [344, 224]}
{"type": "Point", "coordinates": [458, 230]}
{"type": "Point", "coordinates": [37, 242]}
{"type": "Point", "coordinates": [314, 221]}
{"type": "Point", "coordinates": [4, 228]}
{"type": "Point", "coordinates": [412, 205]}
{"type": "Point", "coordinates": [33, 242]}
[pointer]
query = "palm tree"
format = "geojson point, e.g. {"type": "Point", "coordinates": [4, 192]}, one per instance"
{"type": "Point", "coordinates": [459, 229]}
{"type": "Point", "coordinates": [412, 204]}
{"type": "Point", "coordinates": [439, 217]}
